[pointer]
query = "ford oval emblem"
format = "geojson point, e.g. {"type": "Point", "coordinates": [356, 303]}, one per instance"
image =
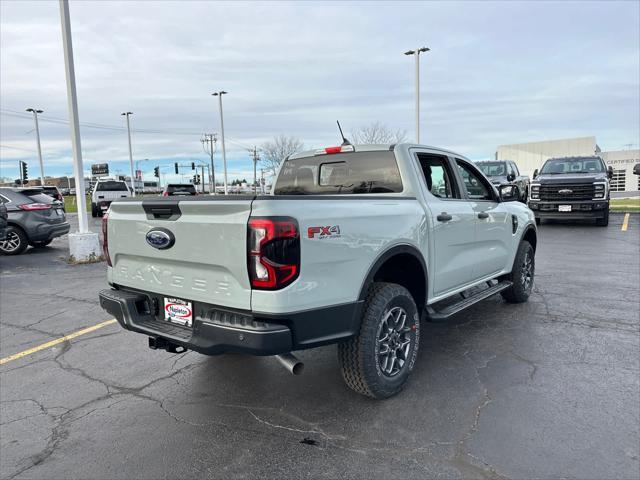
{"type": "Point", "coordinates": [160, 238]}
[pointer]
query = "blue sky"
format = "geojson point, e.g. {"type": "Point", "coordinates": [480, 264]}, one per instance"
{"type": "Point", "coordinates": [498, 72]}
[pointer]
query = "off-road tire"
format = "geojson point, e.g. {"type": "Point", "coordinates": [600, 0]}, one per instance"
{"type": "Point", "coordinates": [604, 221]}
{"type": "Point", "coordinates": [15, 242]}
{"type": "Point", "coordinates": [40, 244]}
{"type": "Point", "coordinates": [359, 356]}
{"type": "Point", "coordinates": [524, 266]}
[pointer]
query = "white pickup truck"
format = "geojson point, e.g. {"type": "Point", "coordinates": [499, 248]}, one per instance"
{"type": "Point", "coordinates": [106, 191]}
{"type": "Point", "coordinates": [354, 246]}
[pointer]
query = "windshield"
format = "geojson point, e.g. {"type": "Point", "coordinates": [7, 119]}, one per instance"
{"type": "Point", "coordinates": [572, 165]}
{"type": "Point", "coordinates": [343, 173]}
{"type": "Point", "coordinates": [493, 169]}
{"type": "Point", "coordinates": [111, 187]}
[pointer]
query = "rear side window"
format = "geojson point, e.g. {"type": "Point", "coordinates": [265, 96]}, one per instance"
{"type": "Point", "coordinates": [39, 197]}
{"type": "Point", "coordinates": [111, 187]}
{"type": "Point", "coordinates": [342, 173]}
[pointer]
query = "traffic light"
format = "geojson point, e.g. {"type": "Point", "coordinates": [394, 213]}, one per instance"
{"type": "Point", "coordinates": [193, 165]}
{"type": "Point", "coordinates": [195, 179]}
{"type": "Point", "coordinates": [176, 165]}
{"type": "Point", "coordinates": [156, 172]}
{"type": "Point", "coordinates": [198, 176]}
{"type": "Point", "coordinates": [23, 171]}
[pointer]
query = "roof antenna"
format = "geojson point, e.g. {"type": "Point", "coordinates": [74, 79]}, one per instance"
{"type": "Point", "coordinates": [344, 140]}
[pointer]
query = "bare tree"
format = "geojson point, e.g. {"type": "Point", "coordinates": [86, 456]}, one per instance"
{"type": "Point", "coordinates": [274, 152]}
{"type": "Point", "coordinates": [377, 132]}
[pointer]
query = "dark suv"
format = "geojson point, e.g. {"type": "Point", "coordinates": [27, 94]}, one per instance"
{"type": "Point", "coordinates": [34, 218]}
{"type": "Point", "coordinates": [502, 172]}
{"type": "Point", "coordinates": [571, 188]}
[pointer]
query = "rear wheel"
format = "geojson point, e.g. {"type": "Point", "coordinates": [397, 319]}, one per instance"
{"type": "Point", "coordinates": [94, 210]}
{"type": "Point", "coordinates": [521, 275]}
{"type": "Point", "coordinates": [378, 361]}
{"type": "Point", "coordinates": [538, 221]}
{"type": "Point", "coordinates": [604, 221]}
{"type": "Point", "coordinates": [40, 244]}
{"type": "Point", "coordinates": [15, 242]}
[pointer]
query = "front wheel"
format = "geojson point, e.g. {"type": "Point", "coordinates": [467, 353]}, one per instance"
{"type": "Point", "coordinates": [42, 243]}
{"type": "Point", "coordinates": [604, 221]}
{"type": "Point", "coordinates": [378, 361]}
{"type": "Point", "coordinates": [521, 275]}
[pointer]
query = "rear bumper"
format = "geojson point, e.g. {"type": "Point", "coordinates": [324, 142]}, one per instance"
{"type": "Point", "coordinates": [218, 330]}
{"type": "Point", "coordinates": [579, 210]}
{"type": "Point", "coordinates": [48, 232]}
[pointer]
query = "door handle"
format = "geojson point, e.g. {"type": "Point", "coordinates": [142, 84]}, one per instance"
{"type": "Point", "coordinates": [483, 215]}
{"type": "Point", "coordinates": [444, 217]}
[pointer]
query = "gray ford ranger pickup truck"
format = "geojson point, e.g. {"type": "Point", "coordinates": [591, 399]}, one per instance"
{"type": "Point", "coordinates": [355, 245]}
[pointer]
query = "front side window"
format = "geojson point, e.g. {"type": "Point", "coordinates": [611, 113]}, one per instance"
{"type": "Point", "coordinates": [342, 173]}
{"type": "Point", "coordinates": [475, 185]}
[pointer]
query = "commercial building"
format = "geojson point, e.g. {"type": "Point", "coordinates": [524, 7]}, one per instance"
{"type": "Point", "coordinates": [531, 156]}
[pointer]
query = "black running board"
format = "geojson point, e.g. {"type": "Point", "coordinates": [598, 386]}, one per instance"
{"type": "Point", "coordinates": [449, 310]}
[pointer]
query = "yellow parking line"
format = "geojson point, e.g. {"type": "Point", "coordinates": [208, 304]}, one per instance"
{"type": "Point", "coordinates": [43, 346]}
{"type": "Point", "coordinates": [625, 222]}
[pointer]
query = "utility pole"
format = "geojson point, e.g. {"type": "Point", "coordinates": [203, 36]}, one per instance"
{"type": "Point", "coordinates": [262, 180]}
{"type": "Point", "coordinates": [256, 157]}
{"type": "Point", "coordinates": [35, 118]}
{"type": "Point", "coordinates": [133, 182]}
{"type": "Point", "coordinates": [202, 177]}
{"type": "Point", "coordinates": [211, 139]}
{"type": "Point", "coordinates": [417, 53]}
{"type": "Point", "coordinates": [224, 152]}
{"type": "Point", "coordinates": [72, 100]}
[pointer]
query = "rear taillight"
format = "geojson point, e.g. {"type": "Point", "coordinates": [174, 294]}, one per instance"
{"type": "Point", "coordinates": [273, 252]}
{"type": "Point", "coordinates": [165, 194]}
{"type": "Point", "coordinates": [30, 207]}
{"type": "Point", "coordinates": [105, 238]}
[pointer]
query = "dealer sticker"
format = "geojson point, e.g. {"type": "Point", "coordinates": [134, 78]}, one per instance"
{"type": "Point", "coordinates": [178, 311]}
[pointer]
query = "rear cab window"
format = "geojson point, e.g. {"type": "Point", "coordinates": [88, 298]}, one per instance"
{"type": "Point", "coordinates": [342, 173]}
{"type": "Point", "coordinates": [111, 187]}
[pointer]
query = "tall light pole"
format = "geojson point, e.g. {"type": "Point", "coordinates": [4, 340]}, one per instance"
{"type": "Point", "coordinates": [417, 53]}
{"type": "Point", "coordinates": [35, 118]}
{"type": "Point", "coordinates": [224, 152]}
{"type": "Point", "coordinates": [133, 184]}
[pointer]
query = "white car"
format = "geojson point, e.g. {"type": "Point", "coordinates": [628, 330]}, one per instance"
{"type": "Point", "coordinates": [106, 191]}
{"type": "Point", "coordinates": [355, 246]}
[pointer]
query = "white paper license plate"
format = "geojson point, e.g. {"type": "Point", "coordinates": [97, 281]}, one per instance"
{"type": "Point", "coordinates": [564, 208]}
{"type": "Point", "coordinates": [178, 311]}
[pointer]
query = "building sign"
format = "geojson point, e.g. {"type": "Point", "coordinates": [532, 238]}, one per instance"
{"type": "Point", "coordinates": [100, 169]}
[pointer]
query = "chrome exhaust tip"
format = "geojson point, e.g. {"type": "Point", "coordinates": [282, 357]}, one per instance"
{"type": "Point", "coordinates": [291, 363]}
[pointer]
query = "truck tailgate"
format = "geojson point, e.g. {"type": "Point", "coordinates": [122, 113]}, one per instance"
{"type": "Point", "coordinates": [207, 262]}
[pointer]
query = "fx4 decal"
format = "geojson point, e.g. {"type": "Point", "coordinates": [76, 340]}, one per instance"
{"type": "Point", "coordinates": [330, 231]}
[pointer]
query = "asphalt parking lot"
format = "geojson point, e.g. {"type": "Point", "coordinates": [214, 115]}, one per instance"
{"type": "Point", "coordinates": [545, 389]}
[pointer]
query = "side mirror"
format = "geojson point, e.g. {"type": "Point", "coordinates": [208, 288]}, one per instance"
{"type": "Point", "coordinates": [610, 172]}
{"type": "Point", "coordinates": [535, 173]}
{"type": "Point", "coordinates": [636, 169]}
{"type": "Point", "coordinates": [509, 193]}
{"type": "Point", "coordinates": [511, 177]}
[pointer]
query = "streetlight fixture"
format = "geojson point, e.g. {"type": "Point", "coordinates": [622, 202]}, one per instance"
{"type": "Point", "coordinates": [133, 184]}
{"type": "Point", "coordinates": [417, 53]}
{"type": "Point", "coordinates": [35, 118]}
{"type": "Point", "coordinates": [224, 152]}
